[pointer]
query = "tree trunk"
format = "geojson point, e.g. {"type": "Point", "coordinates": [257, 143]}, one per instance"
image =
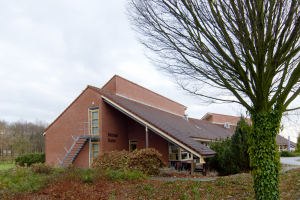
{"type": "Point", "coordinates": [263, 151]}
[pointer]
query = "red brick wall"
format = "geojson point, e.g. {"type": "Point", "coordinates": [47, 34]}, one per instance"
{"type": "Point", "coordinates": [60, 131]}
{"type": "Point", "coordinates": [114, 122]}
{"type": "Point", "coordinates": [110, 85]}
{"type": "Point", "coordinates": [210, 119]}
{"type": "Point", "coordinates": [129, 89]}
{"type": "Point", "coordinates": [136, 131]}
{"type": "Point", "coordinates": [82, 159]}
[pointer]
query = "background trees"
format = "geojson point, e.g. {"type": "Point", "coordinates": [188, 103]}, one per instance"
{"type": "Point", "coordinates": [239, 51]}
{"type": "Point", "coordinates": [22, 137]}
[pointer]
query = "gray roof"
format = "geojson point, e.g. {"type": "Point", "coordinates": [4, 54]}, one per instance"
{"type": "Point", "coordinates": [283, 141]}
{"type": "Point", "coordinates": [209, 130]}
{"type": "Point", "coordinates": [171, 124]}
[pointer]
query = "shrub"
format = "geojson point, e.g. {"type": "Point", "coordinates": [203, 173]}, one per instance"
{"type": "Point", "coordinates": [42, 168]}
{"type": "Point", "coordinates": [127, 175]}
{"type": "Point", "coordinates": [286, 154]}
{"type": "Point", "coordinates": [232, 154]}
{"type": "Point", "coordinates": [223, 161]}
{"type": "Point", "coordinates": [30, 158]}
{"type": "Point", "coordinates": [240, 146]}
{"type": "Point", "coordinates": [149, 160]}
{"type": "Point", "coordinates": [298, 145]}
{"type": "Point", "coordinates": [114, 160]}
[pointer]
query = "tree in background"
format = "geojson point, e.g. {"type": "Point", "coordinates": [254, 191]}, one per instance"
{"type": "Point", "coordinates": [240, 51]}
{"type": "Point", "coordinates": [22, 137]}
{"type": "Point", "coordinates": [3, 136]}
{"type": "Point", "coordinates": [298, 145]}
{"type": "Point", "coordinates": [27, 136]}
{"type": "Point", "coordinates": [223, 161]}
{"type": "Point", "coordinates": [240, 145]}
{"type": "Point", "coordinates": [232, 153]}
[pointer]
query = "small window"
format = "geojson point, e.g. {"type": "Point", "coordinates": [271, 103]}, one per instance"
{"type": "Point", "coordinates": [133, 145]}
{"type": "Point", "coordinates": [173, 152]}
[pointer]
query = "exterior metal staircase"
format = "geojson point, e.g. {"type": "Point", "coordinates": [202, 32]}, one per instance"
{"type": "Point", "coordinates": [75, 143]}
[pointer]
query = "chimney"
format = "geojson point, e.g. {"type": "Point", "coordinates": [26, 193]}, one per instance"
{"type": "Point", "coordinates": [186, 117]}
{"type": "Point", "coordinates": [289, 144]}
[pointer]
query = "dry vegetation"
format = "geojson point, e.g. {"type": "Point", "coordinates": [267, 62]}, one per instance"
{"type": "Point", "coordinates": [231, 187]}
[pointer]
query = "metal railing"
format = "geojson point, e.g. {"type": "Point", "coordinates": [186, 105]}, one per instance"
{"type": "Point", "coordinates": [82, 129]}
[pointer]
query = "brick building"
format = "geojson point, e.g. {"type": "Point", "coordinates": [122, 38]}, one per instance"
{"type": "Point", "coordinates": [230, 122]}
{"type": "Point", "coordinates": [125, 116]}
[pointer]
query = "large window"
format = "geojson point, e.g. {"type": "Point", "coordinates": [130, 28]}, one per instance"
{"type": "Point", "coordinates": [175, 153]}
{"type": "Point", "coordinates": [95, 122]}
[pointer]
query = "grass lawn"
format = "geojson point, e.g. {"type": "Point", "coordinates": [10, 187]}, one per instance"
{"type": "Point", "coordinates": [6, 166]}
{"type": "Point", "coordinates": [89, 184]}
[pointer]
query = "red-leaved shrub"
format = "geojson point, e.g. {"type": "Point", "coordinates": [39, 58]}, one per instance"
{"type": "Point", "coordinates": [113, 160]}
{"type": "Point", "coordinates": [148, 160]}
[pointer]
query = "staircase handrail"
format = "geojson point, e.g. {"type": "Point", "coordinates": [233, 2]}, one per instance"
{"type": "Point", "coordinates": [65, 150]}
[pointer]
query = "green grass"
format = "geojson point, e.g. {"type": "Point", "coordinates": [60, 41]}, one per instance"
{"type": "Point", "coordinates": [6, 166]}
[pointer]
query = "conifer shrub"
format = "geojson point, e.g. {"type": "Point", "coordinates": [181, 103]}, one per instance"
{"type": "Point", "coordinates": [232, 153]}
{"type": "Point", "coordinates": [223, 161]}
{"type": "Point", "coordinates": [30, 158]}
{"type": "Point", "coordinates": [148, 160]}
{"type": "Point", "coordinates": [113, 160]}
{"type": "Point", "coordinates": [298, 145]}
{"type": "Point", "coordinates": [240, 145]}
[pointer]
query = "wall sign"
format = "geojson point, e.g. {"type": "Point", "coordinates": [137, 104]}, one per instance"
{"type": "Point", "coordinates": [112, 135]}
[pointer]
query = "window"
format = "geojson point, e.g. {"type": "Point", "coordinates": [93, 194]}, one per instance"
{"type": "Point", "coordinates": [175, 153]}
{"type": "Point", "coordinates": [133, 145]}
{"type": "Point", "coordinates": [95, 122]}
{"type": "Point", "coordinates": [207, 144]}
{"type": "Point", "coordinates": [95, 148]}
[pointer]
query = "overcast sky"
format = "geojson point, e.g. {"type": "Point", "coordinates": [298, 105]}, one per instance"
{"type": "Point", "coordinates": [51, 50]}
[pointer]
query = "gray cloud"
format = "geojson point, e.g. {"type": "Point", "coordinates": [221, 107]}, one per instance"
{"type": "Point", "coordinates": [51, 50]}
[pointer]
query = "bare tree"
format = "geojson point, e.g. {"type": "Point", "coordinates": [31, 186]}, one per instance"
{"type": "Point", "coordinates": [27, 136]}
{"type": "Point", "coordinates": [242, 51]}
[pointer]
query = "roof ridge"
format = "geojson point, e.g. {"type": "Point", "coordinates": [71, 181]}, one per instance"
{"type": "Point", "coordinates": [148, 90]}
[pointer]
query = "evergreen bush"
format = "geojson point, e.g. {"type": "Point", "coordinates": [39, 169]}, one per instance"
{"type": "Point", "coordinates": [298, 145]}
{"type": "Point", "coordinates": [223, 161]}
{"type": "Point", "coordinates": [30, 158]}
{"type": "Point", "coordinates": [286, 154]}
{"type": "Point", "coordinates": [232, 154]}
{"type": "Point", "coordinates": [240, 145]}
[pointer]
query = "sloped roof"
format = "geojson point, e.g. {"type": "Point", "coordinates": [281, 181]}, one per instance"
{"type": "Point", "coordinates": [209, 130]}
{"type": "Point", "coordinates": [283, 141]}
{"type": "Point", "coordinates": [173, 125]}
